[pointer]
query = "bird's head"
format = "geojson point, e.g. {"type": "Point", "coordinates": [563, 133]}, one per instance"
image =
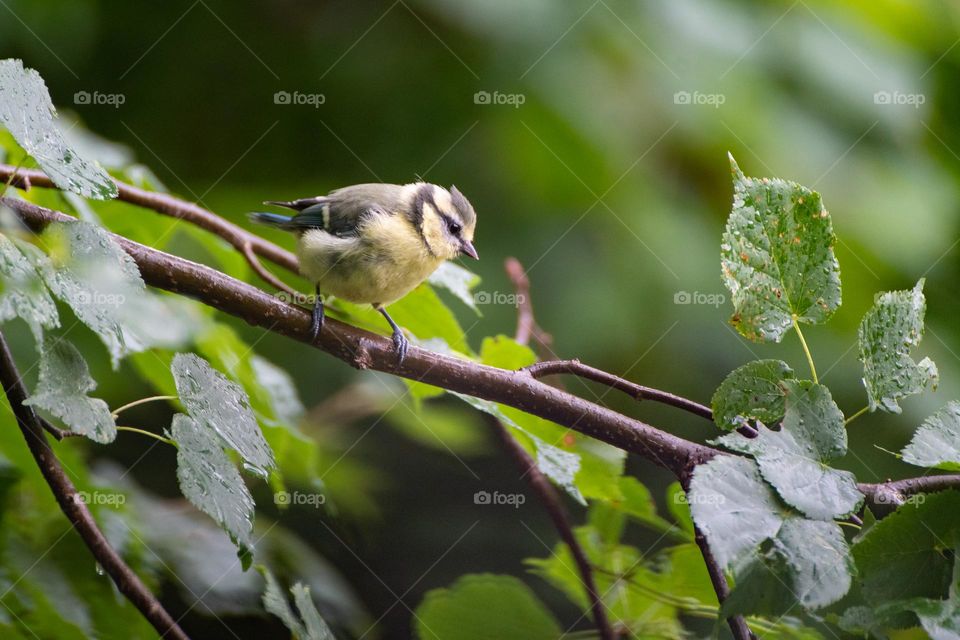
{"type": "Point", "coordinates": [448, 221]}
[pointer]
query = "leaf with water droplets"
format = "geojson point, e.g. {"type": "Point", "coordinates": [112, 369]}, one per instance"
{"type": "Point", "coordinates": [751, 392]}
{"type": "Point", "coordinates": [937, 442]}
{"type": "Point", "coordinates": [23, 293]}
{"type": "Point", "coordinates": [309, 625]}
{"type": "Point", "coordinates": [733, 506]}
{"type": "Point", "coordinates": [221, 405]}
{"type": "Point", "coordinates": [101, 284]}
{"type": "Point", "coordinates": [456, 280]}
{"type": "Point", "coordinates": [777, 257]}
{"type": "Point", "coordinates": [62, 390]}
{"type": "Point", "coordinates": [887, 333]}
{"type": "Point", "coordinates": [210, 480]}
{"type": "Point", "coordinates": [27, 112]}
{"type": "Point", "coordinates": [794, 458]}
{"type": "Point", "coordinates": [807, 562]}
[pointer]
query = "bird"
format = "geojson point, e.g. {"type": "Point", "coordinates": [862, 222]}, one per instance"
{"type": "Point", "coordinates": [374, 243]}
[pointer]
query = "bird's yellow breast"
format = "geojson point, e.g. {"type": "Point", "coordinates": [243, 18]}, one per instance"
{"type": "Point", "coordinates": [382, 264]}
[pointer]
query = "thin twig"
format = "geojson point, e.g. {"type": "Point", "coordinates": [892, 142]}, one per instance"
{"type": "Point", "coordinates": [561, 522]}
{"type": "Point", "coordinates": [73, 507]}
{"type": "Point", "coordinates": [248, 244]}
{"type": "Point", "coordinates": [526, 328]}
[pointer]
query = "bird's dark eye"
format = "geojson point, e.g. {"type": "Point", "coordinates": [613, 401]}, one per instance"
{"type": "Point", "coordinates": [454, 227]}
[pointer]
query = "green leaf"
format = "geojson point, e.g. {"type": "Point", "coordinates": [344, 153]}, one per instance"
{"type": "Point", "coordinates": [280, 390]}
{"type": "Point", "coordinates": [891, 327]}
{"type": "Point", "coordinates": [679, 507]}
{"type": "Point", "coordinates": [751, 392]}
{"type": "Point", "coordinates": [777, 257]}
{"type": "Point", "coordinates": [638, 504]}
{"type": "Point", "coordinates": [220, 404]}
{"type": "Point", "coordinates": [62, 390]}
{"type": "Point", "coordinates": [939, 618]}
{"type": "Point", "coordinates": [484, 607]}
{"type": "Point", "coordinates": [794, 458]}
{"type": "Point", "coordinates": [309, 625]}
{"type": "Point", "coordinates": [908, 554]}
{"type": "Point", "coordinates": [210, 480]}
{"type": "Point", "coordinates": [27, 112]}
{"type": "Point", "coordinates": [102, 284]}
{"type": "Point", "coordinates": [733, 506]}
{"type": "Point", "coordinates": [458, 281]}
{"type": "Point", "coordinates": [807, 562]}
{"type": "Point", "coordinates": [23, 293]}
{"type": "Point", "coordinates": [937, 442]}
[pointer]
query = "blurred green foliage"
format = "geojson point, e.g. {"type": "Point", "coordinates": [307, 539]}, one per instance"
{"type": "Point", "coordinates": [609, 183]}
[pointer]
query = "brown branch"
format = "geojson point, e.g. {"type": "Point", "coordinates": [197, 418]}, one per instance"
{"type": "Point", "coordinates": [248, 244]}
{"type": "Point", "coordinates": [885, 497]}
{"type": "Point", "coordinates": [72, 505]}
{"type": "Point", "coordinates": [561, 522]}
{"type": "Point", "coordinates": [365, 350]}
{"type": "Point", "coordinates": [635, 391]}
{"type": "Point", "coordinates": [538, 481]}
{"type": "Point", "coordinates": [527, 326]}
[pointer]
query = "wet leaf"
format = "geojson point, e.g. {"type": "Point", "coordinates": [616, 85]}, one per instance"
{"type": "Point", "coordinates": [458, 281]}
{"type": "Point", "coordinates": [62, 390]}
{"type": "Point", "coordinates": [777, 257]}
{"type": "Point", "coordinates": [308, 625]}
{"type": "Point", "coordinates": [808, 562]}
{"type": "Point", "coordinates": [937, 442]}
{"type": "Point", "coordinates": [23, 293]}
{"type": "Point", "coordinates": [733, 506]}
{"type": "Point", "coordinates": [887, 333]}
{"type": "Point", "coordinates": [794, 458]}
{"type": "Point", "coordinates": [221, 405]}
{"type": "Point", "coordinates": [751, 392]}
{"type": "Point", "coordinates": [102, 285]}
{"type": "Point", "coordinates": [210, 481]}
{"type": "Point", "coordinates": [27, 112]}
{"type": "Point", "coordinates": [482, 607]}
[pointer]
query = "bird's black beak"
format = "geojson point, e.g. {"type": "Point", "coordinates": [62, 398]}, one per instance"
{"type": "Point", "coordinates": [467, 248]}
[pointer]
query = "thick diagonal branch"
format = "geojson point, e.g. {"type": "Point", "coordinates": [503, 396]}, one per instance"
{"type": "Point", "coordinates": [73, 507]}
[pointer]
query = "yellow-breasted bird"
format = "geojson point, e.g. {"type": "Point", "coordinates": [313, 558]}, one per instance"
{"type": "Point", "coordinates": [373, 243]}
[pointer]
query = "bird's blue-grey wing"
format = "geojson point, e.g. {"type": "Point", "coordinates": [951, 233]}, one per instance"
{"type": "Point", "coordinates": [343, 211]}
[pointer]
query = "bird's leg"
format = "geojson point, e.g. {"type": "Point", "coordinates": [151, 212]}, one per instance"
{"type": "Point", "coordinates": [400, 342]}
{"type": "Point", "coordinates": [316, 317]}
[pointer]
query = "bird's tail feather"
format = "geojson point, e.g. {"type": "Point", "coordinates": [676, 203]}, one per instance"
{"type": "Point", "coordinates": [271, 219]}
